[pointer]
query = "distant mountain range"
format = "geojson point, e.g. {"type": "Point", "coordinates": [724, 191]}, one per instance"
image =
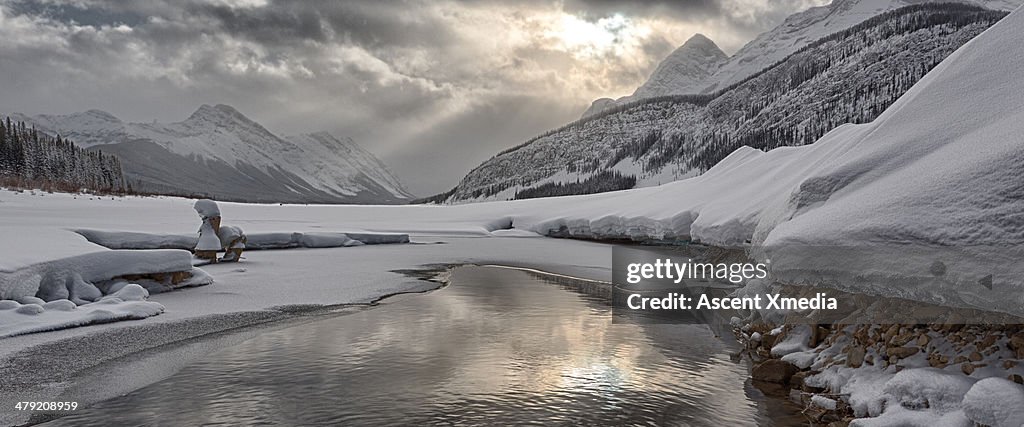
{"type": "Point", "coordinates": [219, 152]}
{"type": "Point", "coordinates": [842, 63]}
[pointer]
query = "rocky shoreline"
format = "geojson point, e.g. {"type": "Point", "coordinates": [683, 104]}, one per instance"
{"type": "Point", "coordinates": [849, 374]}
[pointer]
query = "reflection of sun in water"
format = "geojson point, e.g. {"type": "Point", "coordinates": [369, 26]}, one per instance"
{"type": "Point", "coordinates": [611, 35]}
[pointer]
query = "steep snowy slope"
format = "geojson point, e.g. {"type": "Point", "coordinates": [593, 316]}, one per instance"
{"type": "Point", "coordinates": [324, 158]}
{"type": "Point", "coordinates": [805, 27]}
{"type": "Point", "coordinates": [219, 152]}
{"type": "Point", "coordinates": [682, 72]}
{"type": "Point", "coordinates": [848, 77]}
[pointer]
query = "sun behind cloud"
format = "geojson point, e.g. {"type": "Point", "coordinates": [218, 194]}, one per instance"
{"type": "Point", "coordinates": [613, 35]}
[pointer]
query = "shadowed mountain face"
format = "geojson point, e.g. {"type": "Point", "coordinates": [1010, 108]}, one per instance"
{"type": "Point", "coordinates": [218, 152]}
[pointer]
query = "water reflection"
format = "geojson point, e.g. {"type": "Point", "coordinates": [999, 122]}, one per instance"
{"type": "Point", "coordinates": [498, 346]}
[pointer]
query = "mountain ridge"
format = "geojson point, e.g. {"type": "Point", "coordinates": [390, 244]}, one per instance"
{"type": "Point", "coordinates": [229, 156]}
{"type": "Point", "coordinates": [802, 28]}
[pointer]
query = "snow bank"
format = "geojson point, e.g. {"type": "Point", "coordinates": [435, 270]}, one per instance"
{"type": "Point", "coordinates": [134, 240]}
{"type": "Point", "coordinates": [24, 246]}
{"type": "Point", "coordinates": [995, 402]}
{"type": "Point", "coordinates": [127, 303]}
{"type": "Point", "coordinates": [272, 240]}
{"type": "Point", "coordinates": [935, 389]}
{"type": "Point", "coordinates": [56, 279]}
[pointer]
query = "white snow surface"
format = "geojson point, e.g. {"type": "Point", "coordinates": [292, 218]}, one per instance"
{"type": "Point", "coordinates": [127, 303]}
{"type": "Point", "coordinates": [995, 402]}
{"type": "Point", "coordinates": [800, 29]}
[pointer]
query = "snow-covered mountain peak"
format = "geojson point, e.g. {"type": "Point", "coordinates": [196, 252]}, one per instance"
{"type": "Point", "coordinates": [219, 114]}
{"type": "Point", "coordinates": [700, 41]}
{"type": "Point", "coordinates": [684, 71]}
{"type": "Point", "coordinates": [101, 116]}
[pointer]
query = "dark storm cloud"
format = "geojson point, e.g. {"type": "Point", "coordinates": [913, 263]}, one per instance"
{"type": "Point", "coordinates": [449, 80]}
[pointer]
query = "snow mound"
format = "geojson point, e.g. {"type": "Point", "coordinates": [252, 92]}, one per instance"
{"type": "Point", "coordinates": [59, 278]}
{"type": "Point", "coordinates": [935, 389]}
{"type": "Point", "coordinates": [995, 402]}
{"type": "Point", "coordinates": [127, 303]}
{"type": "Point", "coordinates": [207, 208]}
{"type": "Point", "coordinates": [795, 342]}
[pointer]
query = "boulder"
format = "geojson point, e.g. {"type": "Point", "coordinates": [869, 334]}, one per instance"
{"type": "Point", "coordinates": [774, 371]}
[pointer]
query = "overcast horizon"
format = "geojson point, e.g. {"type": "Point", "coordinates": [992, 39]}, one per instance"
{"type": "Point", "coordinates": [433, 88]}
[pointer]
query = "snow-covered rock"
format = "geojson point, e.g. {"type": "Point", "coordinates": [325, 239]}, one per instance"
{"type": "Point", "coordinates": [59, 278]}
{"type": "Point", "coordinates": [995, 402]}
{"type": "Point", "coordinates": [127, 303]}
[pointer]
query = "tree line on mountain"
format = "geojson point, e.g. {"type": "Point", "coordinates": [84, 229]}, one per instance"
{"type": "Point", "coordinates": [31, 159]}
{"type": "Point", "coordinates": [766, 123]}
{"type": "Point", "coordinates": [851, 76]}
{"type": "Point", "coordinates": [598, 183]}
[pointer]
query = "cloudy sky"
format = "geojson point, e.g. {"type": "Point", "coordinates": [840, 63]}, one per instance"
{"type": "Point", "coordinates": [433, 87]}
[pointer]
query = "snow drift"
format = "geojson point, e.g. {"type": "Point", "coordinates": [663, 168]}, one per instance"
{"type": "Point", "coordinates": [58, 278]}
{"type": "Point", "coordinates": [37, 316]}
